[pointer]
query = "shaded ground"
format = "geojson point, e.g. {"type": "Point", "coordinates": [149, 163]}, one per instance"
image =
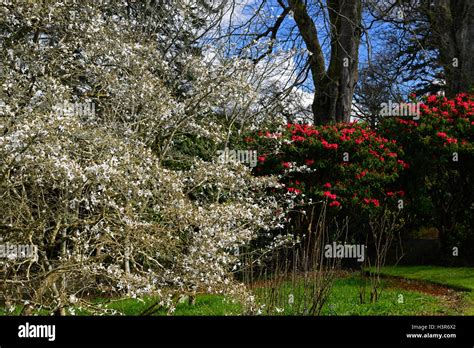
{"type": "Point", "coordinates": [455, 300]}
{"type": "Point", "coordinates": [414, 285]}
{"type": "Point", "coordinates": [345, 297]}
{"type": "Point", "coordinates": [458, 278]}
{"type": "Point", "coordinates": [453, 285]}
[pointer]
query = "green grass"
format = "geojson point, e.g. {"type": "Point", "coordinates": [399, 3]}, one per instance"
{"type": "Point", "coordinates": [210, 305]}
{"type": "Point", "coordinates": [344, 300]}
{"type": "Point", "coordinates": [470, 304]}
{"type": "Point", "coordinates": [344, 297]}
{"type": "Point", "coordinates": [461, 278]}
{"type": "Point", "coordinates": [204, 305]}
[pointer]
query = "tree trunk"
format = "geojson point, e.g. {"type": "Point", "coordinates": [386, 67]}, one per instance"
{"type": "Point", "coordinates": [452, 23]}
{"type": "Point", "coordinates": [334, 88]}
{"type": "Point", "coordinates": [333, 102]}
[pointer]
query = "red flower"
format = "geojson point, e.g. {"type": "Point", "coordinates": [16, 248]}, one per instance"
{"type": "Point", "coordinates": [344, 137]}
{"type": "Point", "coordinates": [349, 130]}
{"type": "Point", "coordinates": [374, 201]}
{"type": "Point", "coordinates": [326, 145]}
{"type": "Point", "coordinates": [361, 174]}
{"type": "Point", "coordinates": [261, 159]}
{"type": "Point", "coordinates": [404, 164]}
{"type": "Point", "coordinates": [335, 204]}
{"type": "Point", "coordinates": [294, 190]}
{"type": "Point", "coordinates": [329, 195]}
{"type": "Point", "coordinates": [309, 162]}
{"type": "Point", "coordinates": [441, 134]}
{"type": "Point", "coordinates": [327, 185]}
{"type": "Point", "coordinates": [297, 138]}
{"type": "Point", "coordinates": [286, 164]}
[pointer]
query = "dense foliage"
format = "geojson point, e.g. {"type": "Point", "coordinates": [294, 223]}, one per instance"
{"type": "Point", "coordinates": [349, 165]}
{"type": "Point", "coordinates": [421, 164]}
{"type": "Point", "coordinates": [439, 150]}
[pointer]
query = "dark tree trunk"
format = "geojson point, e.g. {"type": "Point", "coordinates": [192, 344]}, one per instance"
{"type": "Point", "coordinates": [452, 24]}
{"type": "Point", "coordinates": [334, 87]}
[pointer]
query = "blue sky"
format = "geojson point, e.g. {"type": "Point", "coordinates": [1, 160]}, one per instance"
{"type": "Point", "coordinates": [375, 40]}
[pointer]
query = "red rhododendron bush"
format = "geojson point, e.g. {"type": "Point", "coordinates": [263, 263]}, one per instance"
{"type": "Point", "coordinates": [439, 149]}
{"type": "Point", "coordinates": [420, 168]}
{"type": "Point", "coordinates": [110, 173]}
{"type": "Point", "coordinates": [343, 182]}
{"type": "Point", "coordinates": [349, 165]}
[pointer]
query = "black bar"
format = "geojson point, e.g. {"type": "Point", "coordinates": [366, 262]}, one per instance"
{"type": "Point", "coordinates": [289, 331]}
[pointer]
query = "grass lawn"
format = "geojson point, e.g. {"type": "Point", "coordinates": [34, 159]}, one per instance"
{"type": "Point", "coordinates": [344, 300]}
{"type": "Point", "coordinates": [458, 277]}
{"type": "Point", "coordinates": [461, 278]}
{"type": "Point", "coordinates": [397, 297]}
{"type": "Point", "coordinates": [204, 305]}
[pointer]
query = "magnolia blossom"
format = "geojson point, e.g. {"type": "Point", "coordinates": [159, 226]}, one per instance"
{"type": "Point", "coordinates": [92, 192]}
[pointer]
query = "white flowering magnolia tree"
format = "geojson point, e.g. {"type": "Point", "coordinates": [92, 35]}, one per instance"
{"type": "Point", "coordinates": [90, 190]}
